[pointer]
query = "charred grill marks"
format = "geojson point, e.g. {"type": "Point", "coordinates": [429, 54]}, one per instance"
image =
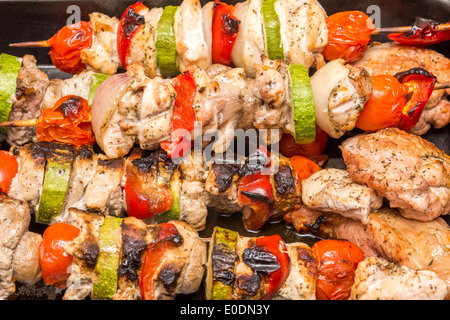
{"type": "Point", "coordinates": [133, 246]}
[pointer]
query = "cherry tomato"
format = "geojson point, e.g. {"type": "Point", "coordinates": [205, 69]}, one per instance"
{"type": "Point", "coordinates": [384, 107]}
{"type": "Point", "coordinates": [337, 261]}
{"type": "Point", "coordinates": [8, 170]}
{"type": "Point", "coordinates": [52, 258]}
{"type": "Point", "coordinates": [349, 32]}
{"type": "Point", "coordinates": [288, 147]}
{"type": "Point", "coordinates": [66, 46]}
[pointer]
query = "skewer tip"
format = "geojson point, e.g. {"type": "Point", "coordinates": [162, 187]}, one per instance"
{"type": "Point", "coordinates": [30, 44]}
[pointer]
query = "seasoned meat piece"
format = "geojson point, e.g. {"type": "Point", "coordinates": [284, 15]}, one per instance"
{"type": "Point", "coordinates": [102, 55]}
{"type": "Point", "coordinates": [192, 199]}
{"type": "Point", "coordinates": [26, 259]}
{"type": "Point", "coordinates": [221, 183]}
{"type": "Point", "coordinates": [391, 58]}
{"type": "Point", "coordinates": [332, 190]}
{"type": "Point", "coordinates": [190, 40]}
{"type": "Point", "coordinates": [301, 282]}
{"type": "Point", "coordinates": [377, 279]}
{"type": "Point", "coordinates": [412, 173]}
{"type": "Point", "coordinates": [15, 219]}
{"type": "Point", "coordinates": [32, 84]}
{"type": "Point", "coordinates": [85, 250]}
{"type": "Point", "coordinates": [134, 242]}
{"type": "Point", "coordinates": [415, 244]}
{"type": "Point", "coordinates": [193, 250]}
{"type": "Point", "coordinates": [340, 92]}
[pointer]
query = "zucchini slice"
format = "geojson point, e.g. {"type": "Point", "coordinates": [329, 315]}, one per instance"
{"type": "Point", "coordinates": [166, 52]}
{"type": "Point", "coordinates": [96, 80]}
{"type": "Point", "coordinates": [105, 285]}
{"type": "Point", "coordinates": [303, 104]}
{"type": "Point", "coordinates": [9, 70]}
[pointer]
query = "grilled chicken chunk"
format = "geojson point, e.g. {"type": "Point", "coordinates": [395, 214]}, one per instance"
{"type": "Point", "coordinates": [415, 244]}
{"type": "Point", "coordinates": [377, 279]}
{"type": "Point", "coordinates": [391, 58]}
{"type": "Point", "coordinates": [273, 87]}
{"type": "Point", "coordinates": [333, 190]}
{"type": "Point", "coordinates": [409, 171]}
{"type": "Point", "coordinates": [26, 102]}
{"type": "Point", "coordinates": [26, 259]}
{"type": "Point", "coordinates": [190, 40]}
{"type": "Point", "coordinates": [18, 247]}
{"type": "Point", "coordinates": [142, 45]}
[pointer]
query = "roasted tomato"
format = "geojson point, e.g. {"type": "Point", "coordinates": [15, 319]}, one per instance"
{"type": "Point", "coordinates": [337, 261]}
{"type": "Point", "coordinates": [52, 257]}
{"type": "Point", "coordinates": [384, 107]}
{"type": "Point", "coordinates": [8, 170]}
{"type": "Point", "coordinates": [349, 32]}
{"type": "Point", "coordinates": [66, 122]}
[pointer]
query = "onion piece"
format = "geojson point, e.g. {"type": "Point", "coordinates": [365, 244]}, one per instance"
{"type": "Point", "coordinates": [104, 111]}
{"type": "Point", "coordinates": [323, 82]}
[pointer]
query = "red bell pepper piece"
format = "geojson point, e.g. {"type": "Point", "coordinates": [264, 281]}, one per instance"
{"type": "Point", "coordinates": [275, 279]}
{"type": "Point", "coordinates": [225, 28]}
{"type": "Point", "coordinates": [183, 118]}
{"type": "Point", "coordinates": [130, 23]}
{"type": "Point", "coordinates": [420, 84]}
{"type": "Point", "coordinates": [424, 32]}
{"type": "Point", "coordinates": [66, 46]}
{"type": "Point", "coordinates": [255, 190]}
{"type": "Point", "coordinates": [157, 254]}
